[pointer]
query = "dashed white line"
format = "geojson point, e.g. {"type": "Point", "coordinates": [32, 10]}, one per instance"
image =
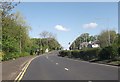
{"type": "Point", "coordinates": [47, 57]}
{"type": "Point", "coordinates": [66, 69]}
{"type": "Point", "coordinates": [56, 63]}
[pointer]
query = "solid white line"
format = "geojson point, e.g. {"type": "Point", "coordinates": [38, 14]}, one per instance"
{"type": "Point", "coordinates": [66, 69]}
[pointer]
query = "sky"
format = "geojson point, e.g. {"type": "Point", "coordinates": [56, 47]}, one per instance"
{"type": "Point", "coordinates": [68, 20]}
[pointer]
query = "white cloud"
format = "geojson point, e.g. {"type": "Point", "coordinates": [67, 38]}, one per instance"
{"type": "Point", "coordinates": [90, 25]}
{"type": "Point", "coordinates": [61, 28]}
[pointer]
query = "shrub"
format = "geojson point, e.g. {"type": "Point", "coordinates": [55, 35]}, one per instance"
{"type": "Point", "coordinates": [64, 53]}
{"type": "Point", "coordinates": [119, 51]}
{"type": "Point", "coordinates": [90, 54]}
{"type": "Point", "coordinates": [109, 52]}
{"type": "Point", "coordinates": [24, 54]}
{"type": "Point", "coordinates": [87, 54]}
{"type": "Point", "coordinates": [14, 55]}
{"type": "Point", "coordinates": [75, 54]}
{"type": "Point", "coordinates": [1, 55]}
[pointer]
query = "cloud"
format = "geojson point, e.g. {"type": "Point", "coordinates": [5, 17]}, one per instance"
{"type": "Point", "coordinates": [61, 28]}
{"type": "Point", "coordinates": [90, 25]}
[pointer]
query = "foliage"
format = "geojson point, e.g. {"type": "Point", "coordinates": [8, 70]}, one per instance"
{"type": "Point", "coordinates": [1, 55]}
{"type": "Point", "coordinates": [64, 53]}
{"type": "Point", "coordinates": [15, 38]}
{"type": "Point", "coordinates": [106, 53]}
{"type": "Point", "coordinates": [85, 37]}
{"type": "Point", "coordinates": [14, 55]}
{"type": "Point", "coordinates": [46, 34]}
{"type": "Point", "coordinates": [43, 43]}
{"type": "Point", "coordinates": [88, 54]}
{"type": "Point", "coordinates": [107, 38]}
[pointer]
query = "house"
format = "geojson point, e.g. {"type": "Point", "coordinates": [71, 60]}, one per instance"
{"type": "Point", "coordinates": [84, 44]}
{"type": "Point", "coordinates": [94, 44]}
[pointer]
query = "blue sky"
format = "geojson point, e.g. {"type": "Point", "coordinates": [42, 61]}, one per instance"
{"type": "Point", "coordinates": [69, 19]}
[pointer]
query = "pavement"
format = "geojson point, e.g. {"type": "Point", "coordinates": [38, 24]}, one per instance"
{"type": "Point", "coordinates": [51, 67]}
{"type": "Point", "coordinates": [11, 68]}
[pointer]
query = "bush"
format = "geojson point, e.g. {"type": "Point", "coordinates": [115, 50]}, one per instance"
{"type": "Point", "coordinates": [90, 54]}
{"type": "Point", "coordinates": [1, 55]}
{"type": "Point", "coordinates": [14, 55]}
{"type": "Point", "coordinates": [87, 54]}
{"type": "Point", "coordinates": [109, 52]}
{"type": "Point", "coordinates": [75, 54]}
{"type": "Point", "coordinates": [119, 51]}
{"type": "Point", "coordinates": [7, 56]}
{"type": "Point", "coordinates": [106, 53]}
{"type": "Point", "coordinates": [64, 53]}
{"type": "Point", "coordinates": [24, 54]}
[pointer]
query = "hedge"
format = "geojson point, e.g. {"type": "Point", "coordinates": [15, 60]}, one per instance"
{"type": "Point", "coordinates": [64, 53]}
{"type": "Point", "coordinates": [82, 54]}
{"type": "Point", "coordinates": [110, 52]}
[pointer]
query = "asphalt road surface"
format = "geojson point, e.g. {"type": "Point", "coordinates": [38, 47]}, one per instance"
{"type": "Point", "coordinates": [52, 67]}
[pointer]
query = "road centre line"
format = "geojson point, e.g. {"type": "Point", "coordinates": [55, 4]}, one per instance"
{"type": "Point", "coordinates": [21, 74]}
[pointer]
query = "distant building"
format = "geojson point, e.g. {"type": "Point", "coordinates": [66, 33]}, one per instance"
{"type": "Point", "coordinates": [84, 44]}
{"type": "Point", "coordinates": [94, 44]}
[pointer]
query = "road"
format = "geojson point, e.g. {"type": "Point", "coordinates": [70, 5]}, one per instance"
{"type": "Point", "coordinates": [52, 67]}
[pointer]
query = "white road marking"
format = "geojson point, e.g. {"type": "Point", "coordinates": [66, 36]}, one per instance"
{"type": "Point", "coordinates": [47, 57]}
{"type": "Point", "coordinates": [56, 63]}
{"type": "Point", "coordinates": [89, 81]}
{"type": "Point", "coordinates": [66, 69]}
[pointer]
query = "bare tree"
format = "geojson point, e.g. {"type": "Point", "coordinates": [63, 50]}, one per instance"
{"type": "Point", "coordinates": [46, 34]}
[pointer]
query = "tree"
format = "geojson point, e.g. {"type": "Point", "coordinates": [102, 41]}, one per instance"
{"type": "Point", "coordinates": [23, 30]}
{"type": "Point", "coordinates": [106, 38]}
{"type": "Point", "coordinates": [85, 37]}
{"type": "Point", "coordinates": [7, 7]}
{"type": "Point", "coordinates": [15, 30]}
{"type": "Point", "coordinates": [48, 41]}
{"type": "Point", "coordinates": [46, 34]}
